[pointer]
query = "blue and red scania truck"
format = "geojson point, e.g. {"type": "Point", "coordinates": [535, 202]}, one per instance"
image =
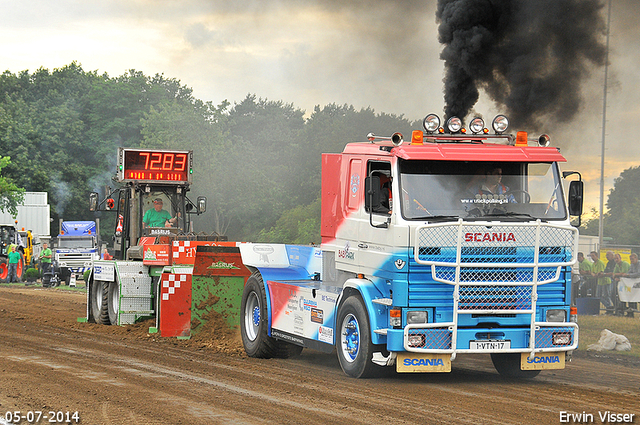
{"type": "Point", "coordinates": [457, 242]}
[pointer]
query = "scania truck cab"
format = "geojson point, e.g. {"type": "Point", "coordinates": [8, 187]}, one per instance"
{"type": "Point", "coordinates": [458, 242]}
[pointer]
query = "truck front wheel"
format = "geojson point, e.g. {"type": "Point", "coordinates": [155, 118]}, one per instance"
{"type": "Point", "coordinates": [353, 341]}
{"type": "Point", "coordinates": [508, 365]}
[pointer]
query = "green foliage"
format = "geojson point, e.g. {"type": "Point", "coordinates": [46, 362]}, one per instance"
{"type": "Point", "coordinates": [10, 194]}
{"type": "Point", "coordinates": [31, 274]}
{"type": "Point", "coordinates": [300, 225]}
{"type": "Point", "coordinates": [85, 275]}
{"type": "Point", "coordinates": [258, 161]}
{"type": "Point", "coordinates": [621, 221]}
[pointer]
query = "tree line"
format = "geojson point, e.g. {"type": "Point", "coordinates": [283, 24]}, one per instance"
{"type": "Point", "coordinates": [257, 161]}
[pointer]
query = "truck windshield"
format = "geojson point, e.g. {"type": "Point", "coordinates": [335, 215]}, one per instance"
{"type": "Point", "coordinates": [480, 190]}
{"type": "Point", "coordinates": [75, 242]}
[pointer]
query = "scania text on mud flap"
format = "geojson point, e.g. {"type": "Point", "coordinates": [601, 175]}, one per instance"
{"type": "Point", "coordinates": [454, 243]}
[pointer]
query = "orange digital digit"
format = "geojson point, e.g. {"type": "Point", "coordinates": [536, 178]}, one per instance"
{"type": "Point", "coordinates": [145, 155]}
{"type": "Point", "coordinates": [181, 162]}
{"type": "Point", "coordinates": [156, 161]}
{"type": "Point", "coordinates": [167, 162]}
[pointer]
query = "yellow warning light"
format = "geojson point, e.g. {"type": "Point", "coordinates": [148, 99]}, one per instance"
{"type": "Point", "coordinates": [521, 138]}
{"type": "Point", "coordinates": [416, 137]}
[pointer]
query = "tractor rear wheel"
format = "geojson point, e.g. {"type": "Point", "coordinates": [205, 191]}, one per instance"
{"type": "Point", "coordinates": [113, 296]}
{"type": "Point", "coordinates": [100, 302]}
{"type": "Point", "coordinates": [20, 269]}
{"type": "Point", "coordinates": [4, 270]}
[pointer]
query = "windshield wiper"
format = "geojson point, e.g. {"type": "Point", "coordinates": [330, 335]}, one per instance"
{"type": "Point", "coordinates": [438, 217]}
{"type": "Point", "coordinates": [509, 214]}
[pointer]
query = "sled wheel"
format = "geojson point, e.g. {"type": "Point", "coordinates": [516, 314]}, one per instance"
{"type": "Point", "coordinates": [113, 303]}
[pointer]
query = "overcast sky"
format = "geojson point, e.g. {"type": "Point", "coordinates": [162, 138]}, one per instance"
{"type": "Point", "coordinates": [382, 54]}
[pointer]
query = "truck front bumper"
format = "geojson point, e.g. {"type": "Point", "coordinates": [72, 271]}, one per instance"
{"type": "Point", "coordinates": [445, 338]}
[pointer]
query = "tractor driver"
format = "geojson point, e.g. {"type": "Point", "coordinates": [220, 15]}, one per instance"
{"type": "Point", "coordinates": [158, 217]}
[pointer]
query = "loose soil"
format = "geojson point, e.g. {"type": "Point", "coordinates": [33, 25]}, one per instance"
{"type": "Point", "coordinates": [49, 362]}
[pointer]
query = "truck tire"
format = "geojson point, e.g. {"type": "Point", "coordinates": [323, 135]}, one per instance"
{"type": "Point", "coordinates": [113, 303]}
{"type": "Point", "coordinates": [353, 339]}
{"type": "Point", "coordinates": [508, 365]}
{"type": "Point", "coordinates": [254, 324]}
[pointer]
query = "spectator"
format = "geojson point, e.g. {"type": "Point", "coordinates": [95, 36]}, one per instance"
{"type": "Point", "coordinates": [586, 288]}
{"type": "Point", "coordinates": [14, 259]}
{"type": "Point", "coordinates": [633, 273]}
{"type": "Point", "coordinates": [603, 286]}
{"type": "Point", "coordinates": [106, 255]}
{"type": "Point", "coordinates": [45, 258]}
{"type": "Point", "coordinates": [621, 267]}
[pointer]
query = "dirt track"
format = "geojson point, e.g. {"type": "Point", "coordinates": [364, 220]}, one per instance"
{"type": "Point", "coordinates": [123, 375]}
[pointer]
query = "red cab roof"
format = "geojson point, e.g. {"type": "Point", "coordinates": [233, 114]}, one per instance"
{"type": "Point", "coordinates": [460, 152]}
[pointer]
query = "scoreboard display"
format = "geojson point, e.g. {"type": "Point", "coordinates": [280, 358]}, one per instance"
{"type": "Point", "coordinates": [154, 165]}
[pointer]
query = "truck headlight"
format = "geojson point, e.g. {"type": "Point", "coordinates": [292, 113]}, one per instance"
{"type": "Point", "coordinates": [556, 315]}
{"type": "Point", "coordinates": [417, 317]}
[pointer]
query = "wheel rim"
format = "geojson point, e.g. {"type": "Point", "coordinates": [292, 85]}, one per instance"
{"type": "Point", "coordinates": [350, 337]}
{"type": "Point", "coordinates": [252, 316]}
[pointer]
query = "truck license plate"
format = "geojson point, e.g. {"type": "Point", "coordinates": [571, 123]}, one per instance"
{"type": "Point", "coordinates": [490, 345]}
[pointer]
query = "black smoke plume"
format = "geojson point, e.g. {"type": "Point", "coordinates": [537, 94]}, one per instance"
{"type": "Point", "coordinates": [529, 56]}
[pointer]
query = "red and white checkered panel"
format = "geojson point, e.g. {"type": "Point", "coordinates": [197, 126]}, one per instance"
{"type": "Point", "coordinates": [175, 305]}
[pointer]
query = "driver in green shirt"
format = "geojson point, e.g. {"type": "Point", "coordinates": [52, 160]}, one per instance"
{"type": "Point", "coordinates": [157, 217]}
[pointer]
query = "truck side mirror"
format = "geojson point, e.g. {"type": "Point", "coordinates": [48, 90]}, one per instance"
{"type": "Point", "coordinates": [372, 193]}
{"type": "Point", "coordinates": [202, 204]}
{"type": "Point", "coordinates": [93, 201]}
{"type": "Point", "coordinates": [373, 198]}
{"type": "Point", "coordinates": [576, 190]}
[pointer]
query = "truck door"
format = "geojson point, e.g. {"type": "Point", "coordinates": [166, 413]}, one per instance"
{"type": "Point", "coordinates": [378, 235]}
